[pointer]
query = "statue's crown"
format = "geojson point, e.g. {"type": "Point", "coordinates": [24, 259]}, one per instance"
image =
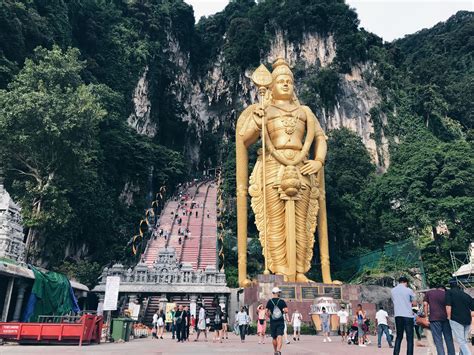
{"type": "Point", "coordinates": [281, 67]}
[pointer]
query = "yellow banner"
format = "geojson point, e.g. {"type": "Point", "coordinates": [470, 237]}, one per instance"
{"type": "Point", "coordinates": [169, 308]}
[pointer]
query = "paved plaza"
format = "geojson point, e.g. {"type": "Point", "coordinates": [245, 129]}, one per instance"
{"type": "Point", "coordinates": [308, 345]}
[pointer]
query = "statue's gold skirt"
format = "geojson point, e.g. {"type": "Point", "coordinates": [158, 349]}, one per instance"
{"type": "Point", "coordinates": [305, 215]}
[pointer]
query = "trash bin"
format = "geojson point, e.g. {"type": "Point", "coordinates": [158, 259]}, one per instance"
{"type": "Point", "coordinates": [121, 328]}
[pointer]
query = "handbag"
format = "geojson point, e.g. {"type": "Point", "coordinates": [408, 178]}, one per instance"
{"type": "Point", "coordinates": [422, 322]}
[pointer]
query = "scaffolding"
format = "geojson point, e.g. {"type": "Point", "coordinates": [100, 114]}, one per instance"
{"type": "Point", "coordinates": [463, 267]}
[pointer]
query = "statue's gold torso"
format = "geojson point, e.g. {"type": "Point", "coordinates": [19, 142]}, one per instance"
{"type": "Point", "coordinates": [286, 126]}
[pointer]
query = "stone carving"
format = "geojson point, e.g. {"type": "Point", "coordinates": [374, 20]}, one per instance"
{"type": "Point", "coordinates": [166, 270]}
{"type": "Point", "coordinates": [11, 230]}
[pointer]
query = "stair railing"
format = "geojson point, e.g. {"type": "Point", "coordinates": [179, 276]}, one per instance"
{"type": "Point", "coordinates": [202, 228]}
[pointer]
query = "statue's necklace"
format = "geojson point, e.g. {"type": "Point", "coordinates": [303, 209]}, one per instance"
{"type": "Point", "coordinates": [310, 127]}
{"type": "Point", "coordinates": [289, 120]}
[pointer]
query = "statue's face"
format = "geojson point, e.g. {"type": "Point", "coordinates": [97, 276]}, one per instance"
{"type": "Point", "coordinates": [283, 87]}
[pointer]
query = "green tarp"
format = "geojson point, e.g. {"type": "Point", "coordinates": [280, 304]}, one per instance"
{"type": "Point", "coordinates": [52, 293]}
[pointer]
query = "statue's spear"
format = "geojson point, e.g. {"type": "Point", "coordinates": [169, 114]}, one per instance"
{"type": "Point", "coordinates": [262, 78]}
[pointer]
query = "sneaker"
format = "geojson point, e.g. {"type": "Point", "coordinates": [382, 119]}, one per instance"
{"type": "Point", "coordinates": [288, 342]}
{"type": "Point", "coordinates": [379, 346]}
{"type": "Point", "coordinates": [329, 339]}
{"type": "Point", "coordinates": [324, 340]}
{"type": "Point", "coordinates": [298, 339]}
{"type": "Point", "coordinates": [294, 338]}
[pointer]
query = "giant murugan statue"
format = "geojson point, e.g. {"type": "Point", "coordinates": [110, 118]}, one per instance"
{"type": "Point", "coordinates": [287, 182]}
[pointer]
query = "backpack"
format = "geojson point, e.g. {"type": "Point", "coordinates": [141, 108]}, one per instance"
{"type": "Point", "coordinates": [277, 314]}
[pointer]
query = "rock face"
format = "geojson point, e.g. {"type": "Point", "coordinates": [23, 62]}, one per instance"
{"type": "Point", "coordinates": [139, 119]}
{"type": "Point", "coordinates": [11, 231]}
{"type": "Point", "coordinates": [211, 101]}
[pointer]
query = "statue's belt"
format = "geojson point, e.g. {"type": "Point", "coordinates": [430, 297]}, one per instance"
{"type": "Point", "coordinates": [287, 153]}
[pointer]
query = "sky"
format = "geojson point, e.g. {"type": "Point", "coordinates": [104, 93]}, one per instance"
{"type": "Point", "coordinates": [389, 19]}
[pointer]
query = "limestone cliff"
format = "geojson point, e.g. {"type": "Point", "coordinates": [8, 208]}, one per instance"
{"type": "Point", "coordinates": [211, 101]}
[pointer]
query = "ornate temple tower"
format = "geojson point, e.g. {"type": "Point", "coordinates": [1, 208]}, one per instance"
{"type": "Point", "coordinates": [11, 230]}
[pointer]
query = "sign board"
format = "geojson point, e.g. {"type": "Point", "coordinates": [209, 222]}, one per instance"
{"type": "Point", "coordinates": [134, 310]}
{"type": "Point", "coordinates": [334, 291]}
{"type": "Point", "coordinates": [309, 293]}
{"type": "Point", "coordinates": [111, 293]}
{"type": "Point", "coordinates": [288, 292]}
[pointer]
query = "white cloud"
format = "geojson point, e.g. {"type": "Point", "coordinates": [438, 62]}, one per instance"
{"type": "Point", "coordinates": [389, 19]}
{"type": "Point", "coordinates": [392, 19]}
{"type": "Point", "coordinates": [206, 7]}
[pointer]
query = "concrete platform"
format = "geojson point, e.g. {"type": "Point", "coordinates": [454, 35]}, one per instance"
{"type": "Point", "coordinates": [309, 345]}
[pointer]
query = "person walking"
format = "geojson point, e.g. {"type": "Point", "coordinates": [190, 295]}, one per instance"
{"type": "Point", "coordinates": [285, 331]}
{"type": "Point", "coordinates": [236, 323]}
{"type": "Point", "coordinates": [201, 324]}
{"type": "Point", "coordinates": [343, 319]}
{"type": "Point", "coordinates": [434, 304]}
{"type": "Point", "coordinates": [261, 323]}
{"type": "Point", "coordinates": [154, 330]}
{"type": "Point", "coordinates": [325, 325]}
{"type": "Point", "coordinates": [276, 309]}
{"type": "Point", "coordinates": [459, 311]}
{"type": "Point", "coordinates": [382, 327]}
{"type": "Point", "coordinates": [161, 324]}
{"type": "Point", "coordinates": [360, 316]}
{"type": "Point", "coordinates": [403, 299]}
{"type": "Point", "coordinates": [225, 324]}
{"type": "Point", "coordinates": [218, 325]}
{"type": "Point", "coordinates": [242, 319]}
{"type": "Point", "coordinates": [296, 319]}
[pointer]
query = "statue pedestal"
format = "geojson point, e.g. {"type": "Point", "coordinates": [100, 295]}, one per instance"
{"type": "Point", "coordinates": [305, 297]}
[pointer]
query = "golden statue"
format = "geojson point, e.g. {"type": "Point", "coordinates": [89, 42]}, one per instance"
{"type": "Point", "coordinates": [292, 204]}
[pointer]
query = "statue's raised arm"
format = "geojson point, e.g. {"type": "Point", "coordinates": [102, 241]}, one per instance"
{"type": "Point", "coordinates": [287, 182]}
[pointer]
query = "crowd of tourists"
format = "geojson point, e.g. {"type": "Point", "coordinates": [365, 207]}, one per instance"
{"type": "Point", "coordinates": [444, 318]}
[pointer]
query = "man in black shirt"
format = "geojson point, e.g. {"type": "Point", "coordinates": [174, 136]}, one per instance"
{"type": "Point", "coordinates": [460, 310]}
{"type": "Point", "coordinates": [276, 309]}
{"type": "Point", "coordinates": [180, 322]}
{"type": "Point", "coordinates": [187, 316]}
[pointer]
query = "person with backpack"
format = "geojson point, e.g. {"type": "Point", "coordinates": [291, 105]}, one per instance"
{"type": "Point", "coordinates": [276, 310]}
{"type": "Point", "coordinates": [219, 317]}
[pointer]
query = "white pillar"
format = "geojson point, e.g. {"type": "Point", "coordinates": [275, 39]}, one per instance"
{"type": "Point", "coordinates": [100, 305]}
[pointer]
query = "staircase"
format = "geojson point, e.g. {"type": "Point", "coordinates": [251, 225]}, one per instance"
{"type": "Point", "coordinates": [190, 247]}
{"type": "Point", "coordinates": [153, 305]}
{"type": "Point", "coordinates": [169, 223]}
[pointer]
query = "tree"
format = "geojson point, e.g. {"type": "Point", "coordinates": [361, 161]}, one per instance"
{"type": "Point", "coordinates": [348, 172]}
{"type": "Point", "coordinates": [49, 123]}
